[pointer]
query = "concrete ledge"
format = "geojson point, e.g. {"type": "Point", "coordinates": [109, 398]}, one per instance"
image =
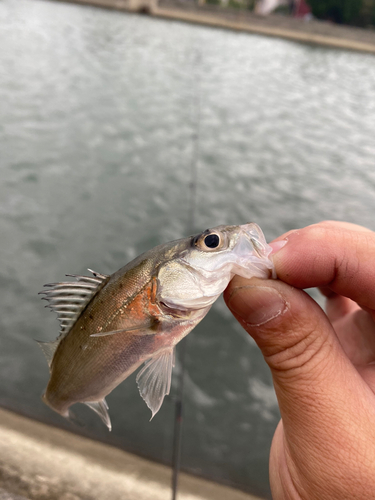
{"type": "Point", "coordinates": [316, 32]}
{"type": "Point", "coordinates": [298, 36]}
{"type": "Point", "coordinates": [40, 462]}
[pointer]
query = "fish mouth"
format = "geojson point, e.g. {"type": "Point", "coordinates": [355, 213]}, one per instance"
{"type": "Point", "coordinates": [252, 253]}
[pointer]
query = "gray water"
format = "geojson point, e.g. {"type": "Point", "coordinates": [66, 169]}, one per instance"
{"type": "Point", "coordinates": [101, 114]}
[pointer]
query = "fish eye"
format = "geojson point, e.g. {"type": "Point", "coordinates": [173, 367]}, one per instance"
{"type": "Point", "coordinates": [212, 240]}
{"type": "Point", "coordinates": [209, 241]}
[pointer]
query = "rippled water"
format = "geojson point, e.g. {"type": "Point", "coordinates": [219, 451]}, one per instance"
{"type": "Point", "coordinates": [99, 117]}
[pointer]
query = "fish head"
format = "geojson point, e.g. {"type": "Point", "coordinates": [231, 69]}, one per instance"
{"type": "Point", "coordinates": [204, 264]}
{"type": "Point", "coordinates": [238, 250]}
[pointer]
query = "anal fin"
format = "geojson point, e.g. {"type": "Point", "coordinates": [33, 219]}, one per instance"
{"type": "Point", "coordinates": [101, 408]}
{"type": "Point", "coordinates": [154, 380]}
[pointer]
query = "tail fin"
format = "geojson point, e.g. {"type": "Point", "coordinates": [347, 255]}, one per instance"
{"type": "Point", "coordinates": [72, 417]}
{"type": "Point", "coordinates": [99, 407]}
{"type": "Point", "coordinates": [68, 414]}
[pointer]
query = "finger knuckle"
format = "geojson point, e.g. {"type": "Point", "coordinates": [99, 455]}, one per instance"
{"type": "Point", "coordinates": [299, 352]}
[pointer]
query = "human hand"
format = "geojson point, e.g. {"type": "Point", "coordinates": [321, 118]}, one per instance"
{"type": "Point", "coordinates": [323, 365]}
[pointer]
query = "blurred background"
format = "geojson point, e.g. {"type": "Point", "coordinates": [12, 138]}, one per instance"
{"type": "Point", "coordinates": [105, 119]}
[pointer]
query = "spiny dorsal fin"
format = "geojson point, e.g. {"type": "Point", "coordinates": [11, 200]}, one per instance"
{"type": "Point", "coordinates": [154, 380]}
{"type": "Point", "coordinates": [68, 299]}
{"type": "Point", "coordinates": [101, 408]}
{"type": "Point", "coordinates": [49, 349]}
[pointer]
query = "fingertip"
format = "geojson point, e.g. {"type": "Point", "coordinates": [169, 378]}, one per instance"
{"type": "Point", "coordinates": [278, 245]}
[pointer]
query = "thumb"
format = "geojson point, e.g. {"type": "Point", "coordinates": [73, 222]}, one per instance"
{"type": "Point", "coordinates": [292, 331]}
{"type": "Point", "coordinates": [318, 389]}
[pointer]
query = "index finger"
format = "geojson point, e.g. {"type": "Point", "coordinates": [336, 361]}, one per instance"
{"type": "Point", "coordinates": [337, 255]}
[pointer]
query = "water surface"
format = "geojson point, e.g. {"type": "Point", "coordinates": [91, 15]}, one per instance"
{"type": "Point", "coordinates": [101, 116]}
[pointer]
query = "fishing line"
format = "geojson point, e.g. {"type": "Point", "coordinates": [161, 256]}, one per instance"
{"type": "Point", "coordinates": [182, 347]}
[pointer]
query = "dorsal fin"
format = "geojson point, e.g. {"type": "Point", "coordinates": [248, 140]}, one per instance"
{"type": "Point", "coordinates": [68, 299]}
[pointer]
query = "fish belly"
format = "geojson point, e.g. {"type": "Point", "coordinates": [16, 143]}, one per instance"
{"type": "Point", "coordinates": [92, 374]}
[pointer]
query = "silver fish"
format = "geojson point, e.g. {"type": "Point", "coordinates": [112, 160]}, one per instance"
{"type": "Point", "coordinates": [110, 325]}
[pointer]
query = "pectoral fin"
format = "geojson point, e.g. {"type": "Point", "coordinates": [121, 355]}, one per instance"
{"type": "Point", "coordinates": [154, 380]}
{"type": "Point", "coordinates": [148, 327]}
{"type": "Point", "coordinates": [101, 408]}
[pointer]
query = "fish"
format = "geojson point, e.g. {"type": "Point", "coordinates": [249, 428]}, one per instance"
{"type": "Point", "coordinates": [111, 324]}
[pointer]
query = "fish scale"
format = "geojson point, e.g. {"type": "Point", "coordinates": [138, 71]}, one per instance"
{"type": "Point", "coordinates": [110, 325]}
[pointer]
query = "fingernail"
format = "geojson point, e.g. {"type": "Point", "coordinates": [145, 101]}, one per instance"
{"type": "Point", "coordinates": [278, 245]}
{"type": "Point", "coordinates": [256, 305]}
